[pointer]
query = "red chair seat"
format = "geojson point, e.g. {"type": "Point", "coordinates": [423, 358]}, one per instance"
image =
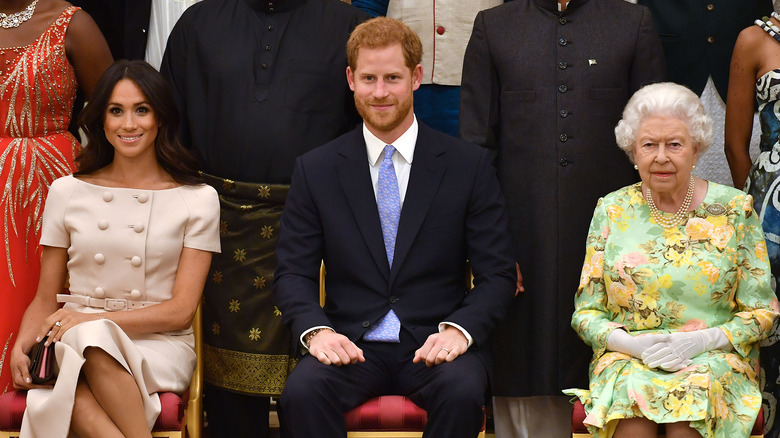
{"type": "Point", "coordinates": [13, 404]}
{"type": "Point", "coordinates": [578, 416]}
{"type": "Point", "coordinates": [387, 413]}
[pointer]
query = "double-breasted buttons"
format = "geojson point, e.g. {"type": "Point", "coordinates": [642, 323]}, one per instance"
{"type": "Point", "coordinates": [135, 261]}
{"type": "Point", "coordinates": [108, 196]}
{"type": "Point", "coordinates": [135, 294]}
{"type": "Point", "coordinates": [99, 292]}
{"type": "Point", "coordinates": [138, 227]}
{"type": "Point", "coordinates": [143, 197]}
{"type": "Point", "coordinates": [366, 324]}
{"type": "Point", "coordinates": [100, 258]}
{"type": "Point", "coordinates": [103, 224]}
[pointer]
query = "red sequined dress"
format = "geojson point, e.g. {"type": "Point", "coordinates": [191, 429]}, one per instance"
{"type": "Point", "coordinates": [37, 89]}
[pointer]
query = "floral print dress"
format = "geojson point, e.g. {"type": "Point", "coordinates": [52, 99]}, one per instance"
{"type": "Point", "coordinates": [711, 271]}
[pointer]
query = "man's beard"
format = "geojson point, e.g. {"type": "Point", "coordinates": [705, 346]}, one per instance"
{"type": "Point", "coordinates": [385, 121]}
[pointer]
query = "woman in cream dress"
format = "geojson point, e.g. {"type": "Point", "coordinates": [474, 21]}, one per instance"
{"type": "Point", "coordinates": [133, 231]}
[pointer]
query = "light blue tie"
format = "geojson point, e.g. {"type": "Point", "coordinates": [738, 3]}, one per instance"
{"type": "Point", "coordinates": [388, 201]}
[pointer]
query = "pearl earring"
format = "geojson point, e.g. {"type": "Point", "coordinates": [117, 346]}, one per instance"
{"type": "Point", "coordinates": [694, 167]}
{"type": "Point", "coordinates": [636, 167]}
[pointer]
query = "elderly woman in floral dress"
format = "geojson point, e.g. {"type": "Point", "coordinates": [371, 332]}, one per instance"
{"type": "Point", "coordinates": [675, 289]}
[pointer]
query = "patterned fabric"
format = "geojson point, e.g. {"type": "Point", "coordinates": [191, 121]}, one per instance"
{"type": "Point", "coordinates": [763, 184]}
{"type": "Point", "coordinates": [388, 200]}
{"type": "Point", "coordinates": [246, 348]}
{"type": "Point", "coordinates": [37, 89]}
{"type": "Point", "coordinates": [711, 271]}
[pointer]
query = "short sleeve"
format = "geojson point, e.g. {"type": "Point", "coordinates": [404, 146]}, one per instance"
{"type": "Point", "coordinates": [202, 231]}
{"type": "Point", "coordinates": [53, 231]}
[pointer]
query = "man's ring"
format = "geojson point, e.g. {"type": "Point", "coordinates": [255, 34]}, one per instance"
{"type": "Point", "coordinates": [58, 324]}
{"type": "Point", "coordinates": [445, 349]}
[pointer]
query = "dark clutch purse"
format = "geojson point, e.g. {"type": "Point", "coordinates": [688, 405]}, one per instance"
{"type": "Point", "coordinates": [42, 363]}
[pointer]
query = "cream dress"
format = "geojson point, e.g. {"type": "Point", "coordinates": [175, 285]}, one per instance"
{"type": "Point", "coordinates": [122, 243]}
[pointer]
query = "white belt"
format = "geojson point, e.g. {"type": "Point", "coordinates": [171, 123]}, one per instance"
{"type": "Point", "coordinates": [110, 304]}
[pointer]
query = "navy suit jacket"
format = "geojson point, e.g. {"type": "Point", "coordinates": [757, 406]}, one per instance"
{"type": "Point", "coordinates": [453, 212]}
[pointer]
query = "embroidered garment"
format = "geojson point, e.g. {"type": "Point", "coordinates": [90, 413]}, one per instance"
{"type": "Point", "coordinates": [711, 271]}
{"type": "Point", "coordinates": [37, 89]}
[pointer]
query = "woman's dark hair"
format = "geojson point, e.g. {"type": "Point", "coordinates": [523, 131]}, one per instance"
{"type": "Point", "coordinates": [98, 152]}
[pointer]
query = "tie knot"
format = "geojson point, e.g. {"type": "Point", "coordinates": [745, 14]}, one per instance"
{"type": "Point", "coordinates": [388, 151]}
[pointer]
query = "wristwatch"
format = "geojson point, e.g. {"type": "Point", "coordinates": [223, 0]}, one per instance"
{"type": "Point", "coordinates": [307, 339]}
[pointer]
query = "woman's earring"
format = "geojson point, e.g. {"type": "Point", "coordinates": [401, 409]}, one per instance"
{"type": "Point", "coordinates": [636, 167]}
{"type": "Point", "coordinates": [694, 167]}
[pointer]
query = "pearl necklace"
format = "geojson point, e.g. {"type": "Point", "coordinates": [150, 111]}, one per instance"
{"type": "Point", "coordinates": [682, 212]}
{"type": "Point", "coordinates": [8, 21]}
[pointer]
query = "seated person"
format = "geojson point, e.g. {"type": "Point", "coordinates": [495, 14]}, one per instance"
{"type": "Point", "coordinates": [395, 209]}
{"type": "Point", "coordinates": [675, 290]}
{"type": "Point", "coordinates": [133, 229]}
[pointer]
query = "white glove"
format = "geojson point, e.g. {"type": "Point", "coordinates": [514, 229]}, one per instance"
{"type": "Point", "coordinates": [684, 346]}
{"type": "Point", "coordinates": [622, 342]}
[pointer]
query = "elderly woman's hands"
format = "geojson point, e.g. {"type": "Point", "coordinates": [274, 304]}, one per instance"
{"type": "Point", "coordinates": [684, 346]}
{"type": "Point", "coordinates": [620, 341]}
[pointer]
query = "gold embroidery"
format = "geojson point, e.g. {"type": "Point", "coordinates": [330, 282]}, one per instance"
{"type": "Point", "coordinates": [246, 372]}
{"type": "Point", "coordinates": [223, 227]}
{"type": "Point", "coordinates": [259, 282]}
{"type": "Point", "coordinates": [267, 231]}
{"type": "Point", "coordinates": [216, 329]}
{"type": "Point", "coordinates": [217, 277]}
{"type": "Point", "coordinates": [264, 192]}
{"type": "Point", "coordinates": [229, 184]}
{"type": "Point", "coordinates": [239, 255]}
{"type": "Point", "coordinates": [234, 306]}
{"type": "Point", "coordinates": [254, 334]}
{"type": "Point", "coordinates": [39, 87]}
{"type": "Point", "coordinates": [277, 312]}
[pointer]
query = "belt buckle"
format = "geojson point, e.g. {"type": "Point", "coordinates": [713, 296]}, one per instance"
{"type": "Point", "coordinates": [115, 304]}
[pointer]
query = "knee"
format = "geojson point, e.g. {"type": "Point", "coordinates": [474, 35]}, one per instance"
{"type": "Point", "coordinates": [97, 361]}
{"type": "Point", "coordinates": [304, 386]}
{"type": "Point", "coordinates": [464, 392]}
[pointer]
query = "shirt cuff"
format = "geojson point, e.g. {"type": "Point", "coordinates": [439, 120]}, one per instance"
{"type": "Point", "coordinates": [303, 335]}
{"type": "Point", "coordinates": [443, 325]}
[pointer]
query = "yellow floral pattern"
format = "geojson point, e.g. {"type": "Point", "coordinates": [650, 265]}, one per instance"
{"type": "Point", "coordinates": [712, 271]}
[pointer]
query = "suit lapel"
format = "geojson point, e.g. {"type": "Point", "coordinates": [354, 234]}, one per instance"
{"type": "Point", "coordinates": [427, 170]}
{"type": "Point", "coordinates": [355, 180]}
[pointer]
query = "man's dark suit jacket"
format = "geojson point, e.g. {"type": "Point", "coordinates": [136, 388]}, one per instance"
{"type": "Point", "coordinates": [453, 211]}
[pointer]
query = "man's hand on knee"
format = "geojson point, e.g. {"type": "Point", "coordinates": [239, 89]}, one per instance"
{"type": "Point", "coordinates": [332, 348]}
{"type": "Point", "coordinates": [442, 347]}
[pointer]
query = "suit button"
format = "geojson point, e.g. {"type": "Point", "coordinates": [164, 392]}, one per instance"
{"type": "Point", "coordinates": [108, 196]}
{"type": "Point", "coordinates": [393, 299]}
{"type": "Point", "coordinates": [564, 113]}
{"type": "Point", "coordinates": [563, 137]}
{"type": "Point", "coordinates": [564, 162]}
{"type": "Point", "coordinates": [562, 20]}
{"type": "Point", "coordinates": [143, 197]}
{"type": "Point", "coordinates": [562, 42]}
{"type": "Point", "coordinates": [366, 324]}
{"type": "Point", "coordinates": [100, 258]}
{"type": "Point", "coordinates": [562, 88]}
{"type": "Point", "coordinates": [103, 224]}
{"type": "Point", "coordinates": [135, 261]}
{"type": "Point", "coordinates": [710, 7]}
{"type": "Point", "coordinates": [138, 227]}
{"type": "Point", "coordinates": [99, 292]}
{"type": "Point", "coordinates": [710, 39]}
{"type": "Point", "coordinates": [562, 65]}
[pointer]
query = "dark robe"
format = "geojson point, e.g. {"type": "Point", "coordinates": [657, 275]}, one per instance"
{"type": "Point", "coordinates": [258, 83]}
{"type": "Point", "coordinates": [699, 36]}
{"type": "Point", "coordinates": [545, 90]}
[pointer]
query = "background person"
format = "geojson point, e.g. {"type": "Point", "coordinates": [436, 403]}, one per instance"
{"type": "Point", "coordinates": [675, 288]}
{"type": "Point", "coordinates": [544, 82]}
{"type": "Point", "coordinates": [135, 225]}
{"type": "Point", "coordinates": [47, 53]}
